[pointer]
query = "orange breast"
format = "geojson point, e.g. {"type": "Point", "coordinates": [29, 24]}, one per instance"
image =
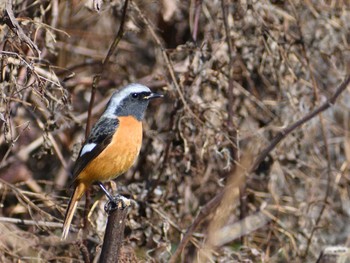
{"type": "Point", "coordinates": [119, 155]}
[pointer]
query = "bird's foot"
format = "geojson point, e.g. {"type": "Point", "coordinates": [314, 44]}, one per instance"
{"type": "Point", "coordinates": [117, 202]}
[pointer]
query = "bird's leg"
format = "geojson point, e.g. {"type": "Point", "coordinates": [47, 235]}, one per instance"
{"type": "Point", "coordinates": [103, 188]}
{"type": "Point", "coordinates": [115, 202]}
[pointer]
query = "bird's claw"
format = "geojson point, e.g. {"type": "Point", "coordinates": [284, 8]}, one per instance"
{"type": "Point", "coordinates": [117, 202]}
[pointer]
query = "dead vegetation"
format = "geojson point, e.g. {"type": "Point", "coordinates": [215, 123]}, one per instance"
{"type": "Point", "coordinates": [237, 76]}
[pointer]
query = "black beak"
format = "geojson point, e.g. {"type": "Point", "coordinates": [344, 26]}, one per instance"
{"type": "Point", "coordinates": [153, 96]}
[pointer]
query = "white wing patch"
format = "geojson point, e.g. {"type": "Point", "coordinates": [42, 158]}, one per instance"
{"type": "Point", "coordinates": [87, 148]}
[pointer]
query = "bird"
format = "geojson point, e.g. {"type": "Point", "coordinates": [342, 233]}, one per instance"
{"type": "Point", "coordinates": [112, 146]}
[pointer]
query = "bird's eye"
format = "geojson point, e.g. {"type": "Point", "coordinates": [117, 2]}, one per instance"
{"type": "Point", "coordinates": [134, 95]}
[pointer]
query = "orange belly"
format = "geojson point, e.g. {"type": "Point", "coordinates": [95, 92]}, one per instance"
{"type": "Point", "coordinates": [118, 156]}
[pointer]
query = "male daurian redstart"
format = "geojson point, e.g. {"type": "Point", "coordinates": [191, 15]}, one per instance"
{"type": "Point", "coordinates": [113, 144]}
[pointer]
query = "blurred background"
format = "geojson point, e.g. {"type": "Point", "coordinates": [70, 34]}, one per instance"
{"type": "Point", "coordinates": [234, 75]}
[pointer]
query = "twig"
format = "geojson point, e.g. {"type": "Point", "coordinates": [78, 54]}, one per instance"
{"type": "Point", "coordinates": [54, 144]}
{"type": "Point", "coordinates": [282, 134]}
{"type": "Point", "coordinates": [167, 61]}
{"type": "Point", "coordinates": [97, 77]}
{"type": "Point", "coordinates": [26, 202]}
{"type": "Point", "coordinates": [84, 251]}
{"type": "Point", "coordinates": [213, 203]}
{"type": "Point", "coordinates": [197, 12]}
{"type": "Point", "coordinates": [10, 19]}
{"type": "Point", "coordinates": [334, 254]}
{"type": "Point", "coordinates": [39, 73]}
{"type": "Point", "coordinates": [235, 179]}
{"type": "Point", "coordinates": [13, 140]}
{"type": "Point", "coordinates": [30, 222]}
{"type": "Point", "coordinates": [323, 132]}
{"type": "Point", "coordinates": [203, 213]}
{"type": "Point", "coordinates": [231, 129]}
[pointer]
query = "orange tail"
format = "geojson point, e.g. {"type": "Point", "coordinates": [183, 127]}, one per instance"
{"type": "Point", "coordinates": [72, 206]}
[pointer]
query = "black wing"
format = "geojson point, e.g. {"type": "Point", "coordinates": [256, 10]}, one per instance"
{"type": "Point", "coordinates": [101, 135]}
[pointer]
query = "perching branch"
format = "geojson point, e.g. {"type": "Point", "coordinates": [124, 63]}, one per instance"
{"type": "Point", "coordinates": [114, 234]}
